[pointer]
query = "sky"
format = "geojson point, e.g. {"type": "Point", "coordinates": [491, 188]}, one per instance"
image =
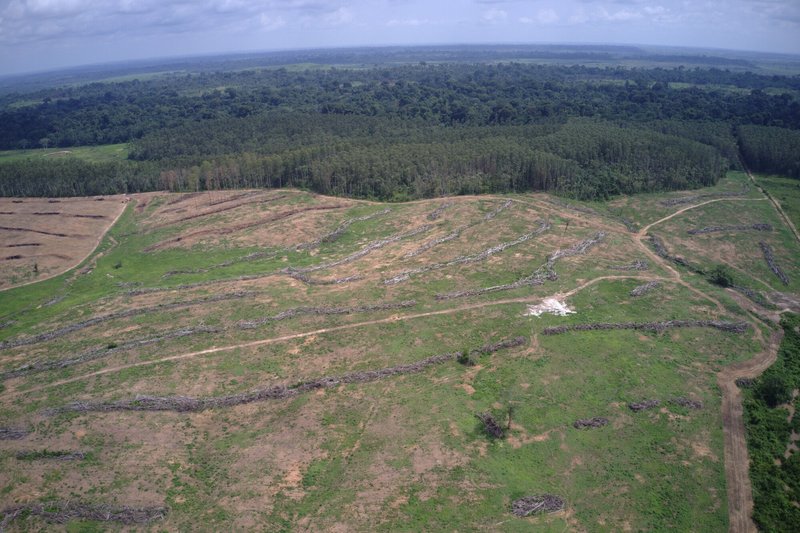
{"type": "Point", "coordinates": [38, 35]}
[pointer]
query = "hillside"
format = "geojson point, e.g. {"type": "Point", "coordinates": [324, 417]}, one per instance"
{"type": "Point", "coordinates": [276, 359]}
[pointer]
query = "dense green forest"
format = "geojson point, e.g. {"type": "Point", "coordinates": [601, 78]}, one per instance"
{"type": "Point", "coordinates": [409, 131]}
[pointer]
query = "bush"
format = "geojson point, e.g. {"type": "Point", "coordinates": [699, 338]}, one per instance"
{"type": "Point", "coordinates": [774, 390]}
{"type": "Point", "coordinates": [721, 275]}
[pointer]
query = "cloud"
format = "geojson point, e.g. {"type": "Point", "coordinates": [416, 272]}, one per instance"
{"type": "Point", "coordinates": [494, 15]}
{"type": "Point", "coordinates": [408, 22]}
{"type": "Point", "coordinates": [269, 23]}
{"type": "Point", "coordinates": [544, 17]}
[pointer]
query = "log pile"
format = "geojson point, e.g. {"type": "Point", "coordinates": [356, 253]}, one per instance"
{"type": "Point", "coordinates": [642, 406]}
{"type": "Point", "coordinates": [716, 229]}
{"type": "Point", "coordinates": [769, 257]}
{"type": "Point", "coordinates": [545, 503]}
{"type": "Point", "coordinates": [729, 327]}
{"type": "Point", "coordinates": [298, 311]}
{"type": "Point", "coordinates": [641, 290]}
{"type": "Point", "coordinates": [71, 328]}
{"type": "Point", "coordinates": [637, 265]}
{"type": "Point", "coordinates": [436, 213]}
{"type": "Point", "coordinates": [594, 422]}
{"type": "Point", "coordinates": [491, 426]}
{"type": "Point", "coordinates": [63, 512]}
{"type": "Point", "coordinates": [185, 404]}
{"type": "Point", "coordinates": [745, 383]}
{"type": "Point", "coordinates": [99, 353]}
{"type": "Point", "coordinates": [467, 259]}
{"type": "Point", "coordinates": [687, 402]}
{"type": "Point", "coordinates": [339, 231]}
{"type": "Point", "coordinates": [12, 433]}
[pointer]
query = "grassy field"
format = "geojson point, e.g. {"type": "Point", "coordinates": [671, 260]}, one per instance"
{"type": "Point", "coordinates": [787, 192]}
{"type": "Point", "coordinates": [93, 154]}
{"type": "Point", "coordinates": [161, 313]}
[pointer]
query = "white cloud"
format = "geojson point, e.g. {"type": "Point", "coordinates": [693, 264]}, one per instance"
{"type": "Point", "coordinates": [408, 22]}
{"type": "Point", "coordinates": [269, 23]}
{"type": "Point", "coordinates": [494, 15]}
{"type": "Point", "coordinates": [341, 16]}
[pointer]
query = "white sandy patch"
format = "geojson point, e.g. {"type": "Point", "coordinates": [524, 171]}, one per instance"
{"type": "Point", "coordinates": [549, 305]}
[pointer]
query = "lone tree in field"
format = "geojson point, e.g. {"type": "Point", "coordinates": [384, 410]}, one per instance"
{"type": "Point", "coordinates": [45, 142]}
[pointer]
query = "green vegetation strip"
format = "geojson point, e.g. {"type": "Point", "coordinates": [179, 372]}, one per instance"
{"type": "Point", "coordinates": [774, 463]}
{"type": "Point", "coordinates": [185, 404]}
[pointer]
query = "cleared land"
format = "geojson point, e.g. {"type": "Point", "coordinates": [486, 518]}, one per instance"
{"type": "Point", "coordinates": [206, 382]}
{"type": "Point", "coordinates": [41, 238]}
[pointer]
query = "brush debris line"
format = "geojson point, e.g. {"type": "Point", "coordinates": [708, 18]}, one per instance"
{"type": "Point", "coordinates": [637, 265]}
{"type": "Point", "coordinates": [30, 455]}
{"type": "Point", "coordinates": [13, 433]}
{"type": "Point", "coordinates": [63, 512]}
{"type": "Point", "coordinates": [641, 290]}
{"type": "Point", "coordinates": [545, 503]}
{"type": "Point", "coordinates": [188, 286]}
{"type": "Point", "coordinates": [641, 406]}
{"type": "Point", "coordinates": [369, 248]}
{"type": "Point", "coordinates": [249, 257]}
{"type": "Point", "coordinates": [60, 332]}
{"type": "Point", "coordinates": [717, 229]}
{"type": "Point", "coordinates": [708, 196]}
{"type": "Point", "coordinates": [594, 422]}
{"type": "Point", "coordinates": [436, 213]}
{"type": "Point", "coordinates": [661, 251]}
{"type": "Point", "coordinates": [753, 296]}
{"type": "Point", "coordinates": [769, 257]}
{"type": "Point", "coordinates": [543, 273]}
{"type": "Point", "coordinates": [467, 259]}
{"type": "Point", "coordinates": [297, 311]}
{"type": "Point", "coordinates": [455, 233]}
{"type": "Point", "coordinates": [275, 392]}
{"type": "Point", "coordinates": [687, 402]}
{"type": "Point", "coordinates": [99, 353]}
{"type": "Point", "coordinates": [730, 327]}
{"type": "Point", "coordinates": [505, 205]}
{"type": "Point", "coordinates": [299, 276]}
{"type": "Point", "coordinates": [745, 383]}
{"type": "Point", "coordinates": [339, 231]}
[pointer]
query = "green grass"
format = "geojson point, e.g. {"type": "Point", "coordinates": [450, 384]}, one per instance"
{"type": "Point", "coordinates": [94, 154]}
{"type": "Point", "coordinates": [786, 192]}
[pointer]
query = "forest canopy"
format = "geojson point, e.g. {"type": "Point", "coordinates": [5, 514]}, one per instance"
{"type": "Point", "coordinates": [409, 131]}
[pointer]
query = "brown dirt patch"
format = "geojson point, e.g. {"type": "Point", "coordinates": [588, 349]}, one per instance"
{"type": "Point", "coordinates": [63, 239]}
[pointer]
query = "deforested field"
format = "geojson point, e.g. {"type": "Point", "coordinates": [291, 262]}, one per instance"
{"type": "Point", "coordinates": [277, 360]}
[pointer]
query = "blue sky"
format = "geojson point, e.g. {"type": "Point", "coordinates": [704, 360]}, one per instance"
{"type": "Point", "coordinates": [45, 34]}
